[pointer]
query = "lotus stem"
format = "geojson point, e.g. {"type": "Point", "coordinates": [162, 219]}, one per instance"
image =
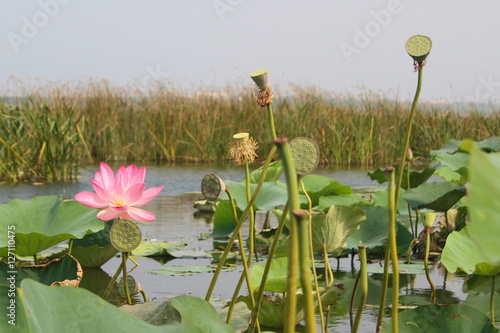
{"type": "Point", "coordinates": [251, 231]}
{"type": "Point", "coordinates": [409, 208]}
{"type": "Point", "coordinates": [408, 133]}
{"type": "Point", "coordinates": [426, 264]}
{"type": "Point", "coordinates": [245, 274]}
{"type": "Point", "coordinates": [267, 268]}
{"type": "Point", "coordinates": [271, 119]}
{"type": "Point", "coordinates": [408, 255]}
{"type": "Point", "coordinates": [353, 297]}
{"type": "Point", "coordinates": [393, 252]}
{"type": "Point", "coordinates": [144, 296]}
{"type": "Point", "coordinates": [328, 271]}
{"type": "Point", "coordinates": [125, 280]}
{"type": "Point", "coordinates": [70, 245]}
{"type": "Point", "coordinates": [492, 299]}
{"type": "Point", "coordinates": [305, 268]}
{"type": "Point", "coordinates": [313, 266]}
{"type": "Point", "coordinates": [112, 282]}
{"type": "Point", "coordinates": [364, 287]}
{"type": "Point", "coordinates": [240, 223]}
{"type": "Point", "coordinates": [293, 251]}
{"type": "Point", "coordinates": [385, 283]}
{"type": "Point", "coordinates": [35, 259]}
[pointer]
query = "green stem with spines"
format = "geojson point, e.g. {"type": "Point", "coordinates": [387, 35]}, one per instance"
{"type": "Point", "coordinates": [240, 224]}
{"type": "Point", "coordinates": [125, 280]}
{"type": "Point", "coordinates": [363, 273]}
{"type": "Point", "coordinates": [112, 282]}
{"type": "Point", "coordinates": [271, 119]}
{"type": "Point", "coordinates": [385, 283]}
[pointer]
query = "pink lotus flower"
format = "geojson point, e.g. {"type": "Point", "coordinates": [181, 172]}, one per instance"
{"type": "Point", "coordinates": [120, 196]}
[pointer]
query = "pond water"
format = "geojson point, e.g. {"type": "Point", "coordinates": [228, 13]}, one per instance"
{"type": "Point", "coordinates": [176, 221]}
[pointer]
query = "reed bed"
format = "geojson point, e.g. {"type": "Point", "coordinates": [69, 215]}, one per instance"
{"type": "Point", "coordinates": [50, 129]}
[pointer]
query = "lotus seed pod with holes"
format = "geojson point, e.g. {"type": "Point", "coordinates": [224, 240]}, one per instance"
{"type": "Point", "coordinates": [125, 235]}
{"type": "Point", "coordinates": [428, 218]}
{"type": "Point", "coordinates": [212, 187]}
{"type": "Point", "coordinates": [134, 287]}
{"type": "Point", "coordinates": [261, 78]}
{"type": "Point", "coordinates": [241, 136]}
{"type": "Point", "coordinates": [305, 154]}
{"type": "Point", "coordinates": [418, 47]}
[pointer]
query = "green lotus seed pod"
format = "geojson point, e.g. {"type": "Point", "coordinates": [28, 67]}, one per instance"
{"type": "Point", "coordinates": [212, 187]}
{"type": "Point", "coordinates": [241, 136]}
{"type": "Point", "coordinates": [305, 154]}
{"type": "Point", "coordinates": [261, 78]}
{"type": "Point", "coordinates": [134, 287]}
{"type": "Point", "coordinates": [428, 218]}
{"type": "Point", "coordinates": [418, 47]}
{"type": "Point", "coordinates": [125, 235]}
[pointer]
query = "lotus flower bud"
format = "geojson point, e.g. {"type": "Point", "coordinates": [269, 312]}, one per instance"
{"type": "Point", "coordinates": [428, 218]}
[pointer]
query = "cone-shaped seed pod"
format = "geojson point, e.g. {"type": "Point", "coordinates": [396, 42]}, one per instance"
{"type": "Point", "coordinates": [212, 187]}
{"type": "Point", "coordinates": [305, 154]}
{"type": "Point", "coordinates": [261, 78]}
{"type": "Point", "coordinates": [125, 235]}
{"type": "Point", "coordinates": [418, 47]}
{"type": "Point", "coordinates": [134, 287]}
{"type": "Point", "coordinates": [241, 136]}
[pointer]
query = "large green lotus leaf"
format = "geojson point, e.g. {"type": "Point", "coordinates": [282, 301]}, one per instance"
{"type": "Point", "coordinates": [437, 196]}
{"type": "Point", "coordinates": [372, 232]}
{"type": "Point", "coordinates": [224, 223]}
{"type": "Point", "coordinates": [416, 177]}
{"type": "Point", "coordinates": [318, 186]}
{"type": "Point", "coordinates": [353, 199]}
{"type": "Point", "coordinates": [491, 144]}
{"type": "Point", "coordinates": [451, 146]}
{"type": "Point", "coordinates": [62, 270]}
{"type": "Point", "coordinates": [13, 309]}
{"type": "Point", "coordinates": [335, 227]}
{"type": "Point", "coordinates": [460, 176]}
{"type": "Point", "coordinates": [432, 318]}
{"type": "Point", "coordinates": [68, 309]}
{"type": "Point", "coordinates": [276, 279]}
{"type": "Point", "coordinates": [94, 256]}
{"type": "Point", "coordinates": [199, 312]}
{"type": "Point", "coordinates": [156, 313]}
{"type": "Point", "coordinates": [94, 250]}
{"type": "Point", "coordinates": [270, 195]}
{"type": "Point", "coordinates": [484, 204]}
{"type": "Point", "coordinates": [273, 173]}
{"type": "Point", "coordinates": [45, 221]}
{"type": "Point", "coordinates": [240, 318]}
{"type": "Point", "coordinates": [381, 198]}
{"type": "Point", "coordinates": [460, 253]}
{"type": "Point", "coordinates": [456, 161]}
{"type": "Point", "coordinates": [272, 311]}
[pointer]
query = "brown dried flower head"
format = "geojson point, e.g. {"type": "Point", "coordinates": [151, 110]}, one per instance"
{"type": "Point", "coordinates": [243, 148]}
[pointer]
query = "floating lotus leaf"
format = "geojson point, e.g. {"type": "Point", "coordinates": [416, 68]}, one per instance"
{"type": "Point", "coordinates": [125, 235]}
{"type": "Point", "coordinates": [320, 186]}
{"type": "Point", "coordinates": [58, 272]}
{"type": "Point", "coordinates": [156, 313]}
{"type": "Point", "coordinates": [325, 202]}
{"type": "Point", "coordinates": [43, 222]}
{"type": "Point", "coordinates": [305, 154]}
{"type": "Point", "coordinates": [41, 308]}
{"type": "Point", "coordinates": [212, 187]}
{"type": "Point", "coordinates": [435, 318]}
{"type": "Point", "coordinates": [418, 47]}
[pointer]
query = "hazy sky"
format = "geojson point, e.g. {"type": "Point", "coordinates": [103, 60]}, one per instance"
{"type": "Point", "coordinates": [336, 45]}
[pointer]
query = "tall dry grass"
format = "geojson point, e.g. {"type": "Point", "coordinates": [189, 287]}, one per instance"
{"type": "Point", "coordinates": [52, 128]}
